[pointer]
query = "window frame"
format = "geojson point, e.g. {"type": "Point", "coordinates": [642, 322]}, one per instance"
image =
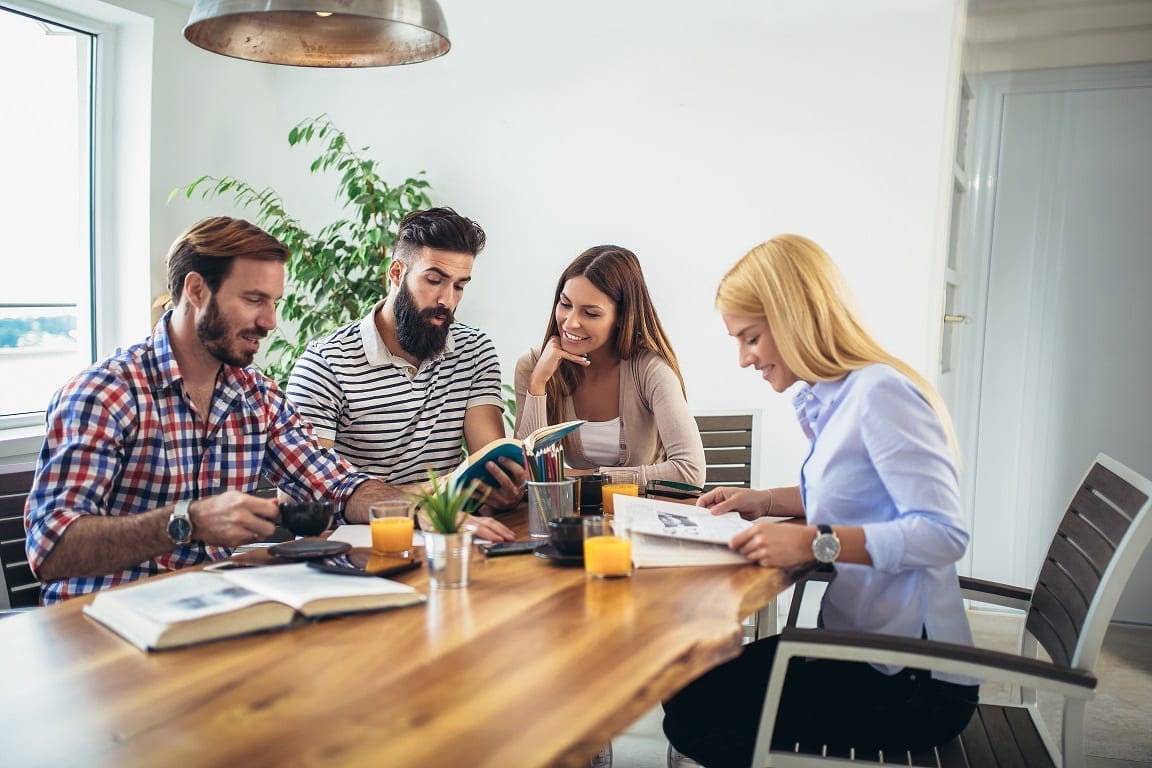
{"type": "Point", "coordinates": [119, 191]}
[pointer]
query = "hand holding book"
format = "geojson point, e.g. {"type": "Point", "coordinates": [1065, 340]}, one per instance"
{"type": "Point", "coordinates": [473, 468]}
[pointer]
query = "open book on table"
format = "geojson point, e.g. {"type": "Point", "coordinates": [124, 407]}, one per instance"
{"type": "Point", "coordinates": [667, 533]}
{"type": "Point", "coordinates": [197, 606]}
{"type": "Point", "coordinates": [513, 448]}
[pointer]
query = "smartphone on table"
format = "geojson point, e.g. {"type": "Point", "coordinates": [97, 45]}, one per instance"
{"type": "Point", "coordinates": [365, 563]}
{"type": "Point", "coordinates": [510, 547]}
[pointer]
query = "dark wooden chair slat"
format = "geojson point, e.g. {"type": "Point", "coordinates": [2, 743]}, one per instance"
{"type": "Point", "coordinates": [1101, 516]}
{"type": "Point", "coordinates": [1027, 738]}
{"type": "Point", "coordinates": [1064, 555]}
{"type": "Point", "coordinates": [1116, 489]}
{"type": "Point", "coordinates": [1082, 535]}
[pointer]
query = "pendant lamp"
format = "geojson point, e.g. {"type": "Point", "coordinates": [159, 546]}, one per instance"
{"type": "Point", "coordinates": [321, 33]}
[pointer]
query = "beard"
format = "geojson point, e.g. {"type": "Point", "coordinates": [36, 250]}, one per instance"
{"type": "Point", "coordinates": [415, 334]}
{"type": "Point", "coordinates": [215, 332]}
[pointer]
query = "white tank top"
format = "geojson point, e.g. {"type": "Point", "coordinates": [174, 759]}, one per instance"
{"type": "Point", "coordinates": [601, 442]}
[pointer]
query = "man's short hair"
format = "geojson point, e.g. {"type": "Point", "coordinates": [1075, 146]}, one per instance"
{"type": "Point", "coordinates": [441, 229]}
{"type": "Point", "coordinates": [210, 246]}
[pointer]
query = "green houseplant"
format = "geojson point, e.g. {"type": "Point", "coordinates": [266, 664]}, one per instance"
{"type": "Point", "coordinates": [443, 508]}
{"type": "Point", "coordinates": [336, 274]}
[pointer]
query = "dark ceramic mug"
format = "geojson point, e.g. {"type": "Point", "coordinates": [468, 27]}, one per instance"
{"type": "Point", "coordinates": [566, 535]}
{"type": "Point", "coordinates": [307, 518]}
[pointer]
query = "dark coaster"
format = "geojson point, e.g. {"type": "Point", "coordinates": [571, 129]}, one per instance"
{"type": "Point", "coordinates": [308, 549]}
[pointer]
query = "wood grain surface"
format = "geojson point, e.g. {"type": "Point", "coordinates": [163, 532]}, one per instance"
{"type": "Point", "coordinates": [532, 664]}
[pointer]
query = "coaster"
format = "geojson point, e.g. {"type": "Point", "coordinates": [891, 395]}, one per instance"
{"type": "Point", "coordinates": [308, 549]}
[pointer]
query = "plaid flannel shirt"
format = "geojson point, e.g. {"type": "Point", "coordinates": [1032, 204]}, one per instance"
{"type": "Point", "coordinates": [122, 438]}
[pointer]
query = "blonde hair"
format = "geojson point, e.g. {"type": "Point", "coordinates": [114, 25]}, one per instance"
{"type": "Point", "coordinates": [793, 284]}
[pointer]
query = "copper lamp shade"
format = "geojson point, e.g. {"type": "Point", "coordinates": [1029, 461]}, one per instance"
{"type": "Point", "coordinates": [321, 33]}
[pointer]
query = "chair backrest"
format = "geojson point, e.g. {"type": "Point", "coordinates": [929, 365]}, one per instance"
{"type": "Point", "coordinates": [730, 442]}
{"type": "Point", "coordinates": [18, 587]}
{"type": "Point", "coordinates": [1099, 540]}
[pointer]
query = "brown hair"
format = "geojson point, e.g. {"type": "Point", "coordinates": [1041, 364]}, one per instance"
{"type": "Point", "coordinates": [209, 247]}
{"type": "Point", "coordinates": [616, 272]}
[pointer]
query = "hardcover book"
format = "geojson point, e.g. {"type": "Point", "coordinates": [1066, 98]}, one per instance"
{"type": "Point", "coordinates": [197, 606]}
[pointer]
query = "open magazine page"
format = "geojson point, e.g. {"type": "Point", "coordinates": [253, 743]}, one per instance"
{"type": "Point", "coordinates": [667, 533]}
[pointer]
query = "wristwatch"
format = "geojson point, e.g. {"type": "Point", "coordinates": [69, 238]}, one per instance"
{"type": "Point", "coordinates": [180, 524]}
{"type": "Point", "coordinates": [826, 545]}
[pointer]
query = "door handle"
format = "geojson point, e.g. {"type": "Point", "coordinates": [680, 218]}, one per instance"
{"type": "Point", "coordinates": [963, 319]}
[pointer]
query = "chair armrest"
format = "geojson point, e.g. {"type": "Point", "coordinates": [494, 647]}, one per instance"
{"type": "Point", "coordinates": [915, 652]}
{"type": "Point", "coordinates": [935, 655]}
{"type": "Point", "coordinates": [995, 592]}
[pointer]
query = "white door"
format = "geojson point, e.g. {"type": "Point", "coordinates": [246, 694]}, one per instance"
{"type": "Point", "coordinates": [1063, 239]}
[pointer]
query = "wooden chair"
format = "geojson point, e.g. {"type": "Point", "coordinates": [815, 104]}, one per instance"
{"type": "Point", "coordinates": [730, 448]}
{"type": "Point", "coordinates": [731, 442]}
{"type": "Point", "coordinates": [18, 587]}
{"type": "Point", "coordinates": [1102, 535]}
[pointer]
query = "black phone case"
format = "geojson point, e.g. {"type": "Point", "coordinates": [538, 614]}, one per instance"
{"type": "Point", "coordinates": [511, 548]}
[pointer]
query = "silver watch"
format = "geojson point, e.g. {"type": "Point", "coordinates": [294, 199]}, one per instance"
{"type": "Point", "coordinates": [180, 524]}
{"type": "Point", "coordinates": [826, 545]}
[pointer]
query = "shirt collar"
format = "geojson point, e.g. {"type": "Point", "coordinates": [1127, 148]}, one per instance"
{"type": "Point", "coordinates": [811, 401]}
{"type": "Point", "coordinates": [164, 371]}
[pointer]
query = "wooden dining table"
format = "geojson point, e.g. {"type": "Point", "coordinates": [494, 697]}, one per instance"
{"type": "Point", "coordinates": [531, 664]}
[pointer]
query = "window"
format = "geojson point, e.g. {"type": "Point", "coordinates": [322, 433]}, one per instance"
{"type": "Point", "coordinates": [47, 297]}
{"type": "Point", "coordinates": [74, 198]}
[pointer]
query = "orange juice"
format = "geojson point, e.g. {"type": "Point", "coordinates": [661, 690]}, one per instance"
{"type": "Point", "coordinates": [392, 534]}
{"type": "Point", "coordinates": [623, 489]}
{"type": "Point", "coordinates": [607, 556]}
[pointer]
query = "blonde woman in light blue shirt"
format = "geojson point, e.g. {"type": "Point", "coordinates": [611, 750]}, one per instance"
{"type": "Point", "coordinates": [880, 497]}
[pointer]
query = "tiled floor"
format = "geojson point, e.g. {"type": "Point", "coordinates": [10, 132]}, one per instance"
{"type": "Point", "coordinates": [1119, 719]}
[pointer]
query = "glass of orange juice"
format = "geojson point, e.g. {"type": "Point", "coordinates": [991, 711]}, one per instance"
{"type": "Point", "coordinates": [622, 482]}
{"type": "Point", "coordinates": [392, 526]}
{"type": "Point", "coordinates": [605, 554]}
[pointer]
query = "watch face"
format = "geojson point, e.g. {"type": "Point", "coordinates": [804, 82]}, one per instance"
{"type": "Point", "coordinates": [180, 530]}
{"type": "Point", "coordinates": [826, 547]}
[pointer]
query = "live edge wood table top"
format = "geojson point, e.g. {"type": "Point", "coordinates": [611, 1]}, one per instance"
{"type": "Point", "coordinates": [532, 664]}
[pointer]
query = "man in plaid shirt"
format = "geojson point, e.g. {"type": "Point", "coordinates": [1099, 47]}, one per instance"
{"type": "Point", "coordinates": [150, 455]}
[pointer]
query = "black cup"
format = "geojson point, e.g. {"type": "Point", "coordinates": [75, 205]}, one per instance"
{"type": "Point", "coordinates": [589, 499]}
{"type": "Point", "coordinates": [308, 518]}
{"type": "Point", "coordinates": [567, 535]}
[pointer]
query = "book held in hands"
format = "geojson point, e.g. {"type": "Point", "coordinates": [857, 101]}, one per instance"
{"type": "Point", "coordinates": [513, 448]}
{"type": "Point", "coordinates": [197, 606]}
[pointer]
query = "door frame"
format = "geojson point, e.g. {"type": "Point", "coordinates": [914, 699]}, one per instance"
{"type": "Point", "coordinates": [977, 232]}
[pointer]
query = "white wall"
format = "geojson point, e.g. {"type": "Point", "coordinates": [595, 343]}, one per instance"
{"type": "Point", "coordinates": [687, 132]}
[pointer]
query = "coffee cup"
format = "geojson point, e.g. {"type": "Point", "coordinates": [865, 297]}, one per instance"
{"type": "Point", "coordinates": [306, 518]}
{"type": "Point", "coordinates": [588, 495]}
{"type": "Point", "coordinates": [567, 535]}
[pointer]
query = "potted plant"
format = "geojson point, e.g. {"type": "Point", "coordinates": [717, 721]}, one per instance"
{"type": "Point", "coordinates": [336, 274]}
{"type": "Point", "coordinates": [442, 508]}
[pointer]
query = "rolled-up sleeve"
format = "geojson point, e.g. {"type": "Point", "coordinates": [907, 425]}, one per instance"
{"type": "Point", "coordinates": [912, 456]}
{"type": "Point", "coordinates": [84, 437]}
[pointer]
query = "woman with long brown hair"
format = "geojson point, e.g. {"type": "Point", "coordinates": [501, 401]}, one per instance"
{"type": "Point", "coordinates": [607, 360]}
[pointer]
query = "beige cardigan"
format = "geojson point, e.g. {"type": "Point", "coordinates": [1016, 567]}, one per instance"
{"type": "Point", "coordinates": [658, 435]}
